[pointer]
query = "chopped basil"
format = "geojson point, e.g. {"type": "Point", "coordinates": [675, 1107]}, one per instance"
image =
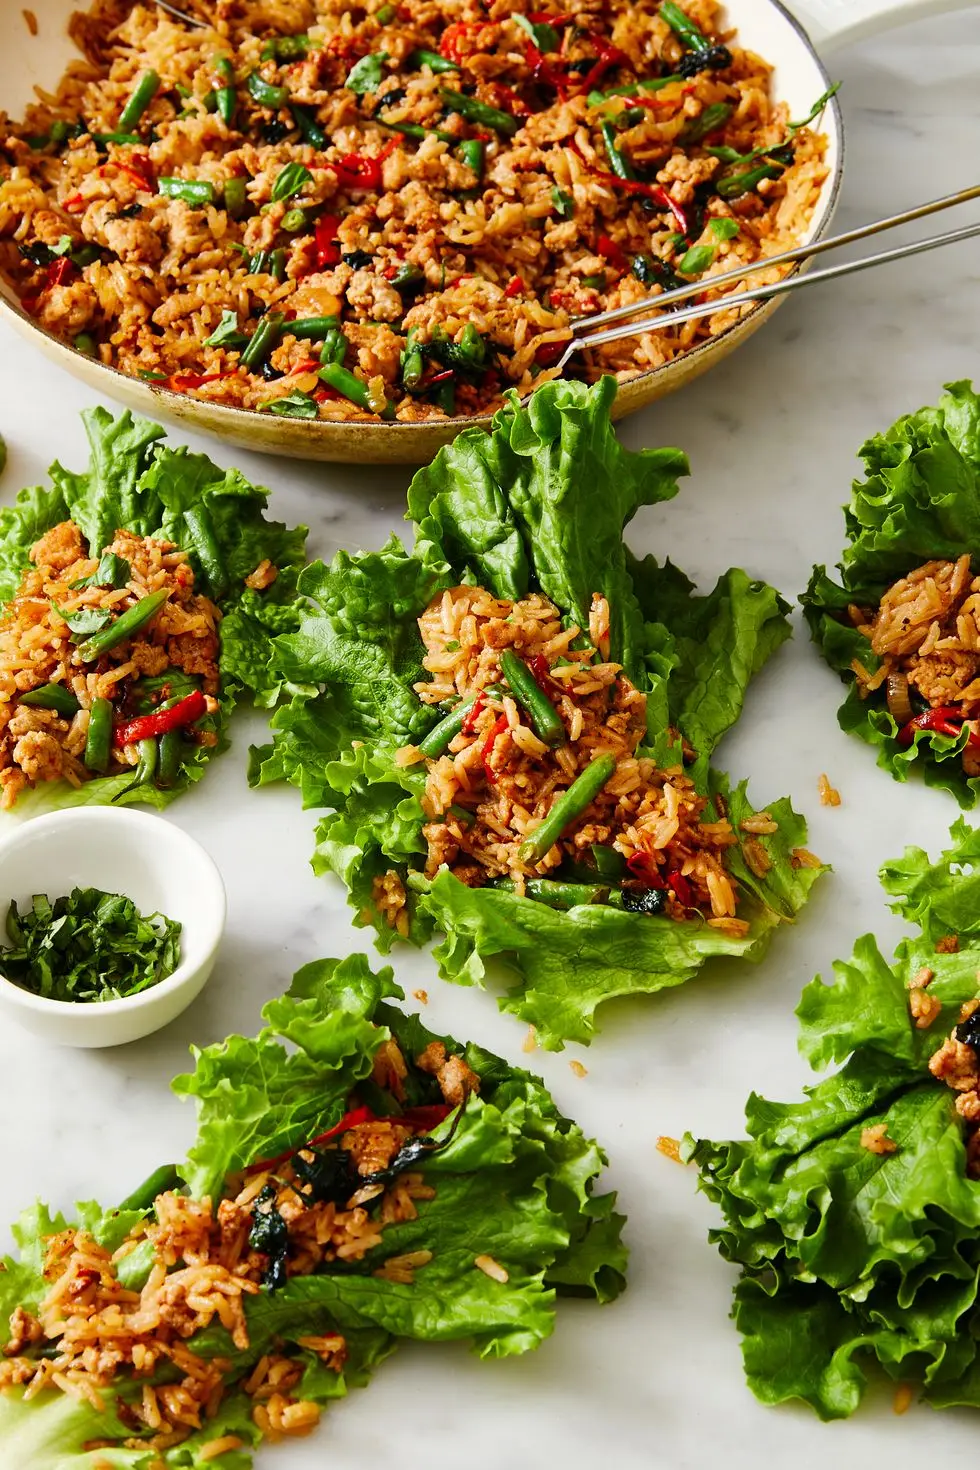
{"type": "Point", "coordinates": [84, 621]}
{"type": "Point", "coordinates": [365, 75]}
{"type": "Point", "coordinates": [88, 946]}
{"type": "Point", "coordinates": [564, 203]}
{"type": "Point", "coordinates": [543, 36]}
{"type": "Point", "coordinates": [291, 179]}
{"type": "Point", "coordinates": [295, 406]}
{"type": "Point", "coordinates": [723, 229]}
{"type": "Point", "coordinates": [227, 333]}
{"type": "Point", "coordinates": [112, 571]}
{"type": "Point", "coordinates": [696, 260]}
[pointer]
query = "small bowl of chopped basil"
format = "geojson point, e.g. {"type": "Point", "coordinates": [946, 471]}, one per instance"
{"type": "Point", "coordinates": [110, 923]}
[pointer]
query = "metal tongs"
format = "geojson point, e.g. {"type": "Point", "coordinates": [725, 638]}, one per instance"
{"type": "Point", "coordinates": [670, 315]}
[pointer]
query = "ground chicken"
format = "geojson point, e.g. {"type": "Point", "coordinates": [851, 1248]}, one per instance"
{"type": "Point", "coordinates": [68, 309]}
{"type": "Point", "coordinates": [876, 1140]}
{"type": "Point", "coordinates": [149, 658]}
{"type": "Point", "coordinates": [196, 655]}
{"type": "Point", "coordinates": [374, 297]}
{"type": "Point", "coordinates": [39, 756]}
{"type": "Point", "coordinates": [133, 239]}
{"type": "Point", "coordinates": [50, 228]}
{"type": "Point", "coordinates": [924, 1007]}
{"type": "Point", "coordinates": [59, 548]}
{"type": "Point", "coordinates": [456, 1079]}
{"type": "Point", "coordinates": [955, 1063]}
{"type": "Point", "coordinates": [24, 1330]}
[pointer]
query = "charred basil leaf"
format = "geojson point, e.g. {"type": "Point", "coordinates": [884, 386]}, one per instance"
{"type": "Point", "coordinates": [270, 1235]}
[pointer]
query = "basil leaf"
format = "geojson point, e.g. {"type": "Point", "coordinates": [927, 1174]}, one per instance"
{"type": "Point", "coordinates": [365, 75]}
{"type": "Point", "coordinates": [112, 571]}
{"type": "Point", "coordinates": [293, 178]}
{"type": "Point", "coordinates": [724, 229]}
{"type": "Point", "coordinates": [697, 259]}
{"type": "Point", "coordinates": [545, 37]}
{"type": "Point", "coordinates": [564, 203]}
{"type": "Point", "coordinates": [227, 333]}
{"type": "Point", "coordinates": [84, 621]}
{"type": "Point", "coordinates": [295, 406]}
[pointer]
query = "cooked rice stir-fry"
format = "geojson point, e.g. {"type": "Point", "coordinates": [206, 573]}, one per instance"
{"type": "Point", "coordinates": [108, 662]}
{"type": "Point", "coordinates": [926, 631]}
{"type": "Point", "coordinates": [318, 1208]}
{"type": "Point", "coordinates": [394, 211]}
{"type": "Point", "coordinates": [535, 781]}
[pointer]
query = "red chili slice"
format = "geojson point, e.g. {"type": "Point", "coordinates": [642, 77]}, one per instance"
{"type": "Point", "coordinates": [325, 241]}
{"type": "Point", "coordinates": [616, 256]}
{"type": "Point", "coordinates": [541, 670]}
{"type": "Point", "coordinates": [609, 56]}
{"type": "Point", "coordinates": [499, 726]}
{"type": "Point", "coordinates": [183, 382]}
{"type": "Point", "coordinates": [643, 865]}
{"type": "Point", "coordinates": [682, 889]}
{"type": "Point", "coordinates": [470, 720]}
{"type": "Point", "coordinates": [353, 1119]}
{"type": "Point", "coordinates": [60, 272]}
{"type": "Point", "coordinates": [357, 171]}
{"type": "Point", "coordinates": [514, 286]}
{"type": "Point", "coordinates": [187, 712]}
{"type": "Point", "coordinates": [549, 353]}
{"type": "Point", "coordinates": [947, 719]}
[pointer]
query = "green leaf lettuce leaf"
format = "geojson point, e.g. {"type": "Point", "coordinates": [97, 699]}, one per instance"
{"type": "Point", "coordinates": [134, 482]}
{"type": "Point", "coordinates": [920, 502]}
{"type": "Point", "coordinates": [516, 1182]}
{"type": "Point", "coordinates": [539, 504]}
{"type": "Point", "coordinates": [850, 1256]}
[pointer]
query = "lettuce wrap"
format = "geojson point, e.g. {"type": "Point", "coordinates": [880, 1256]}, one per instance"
{"type": "Point", "coordinates": [919, 503]}
{"type": "Point", "coordinates": [854, 1216]}
{"type": "Point", "coordinates": [511, 1187]}
{"type": "Point", "coordinates": [537, 505]}
{"type": "Point", "coordinates": [135, 483]}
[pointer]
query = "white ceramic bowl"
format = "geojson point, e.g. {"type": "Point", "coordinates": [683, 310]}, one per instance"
{"type": "Point", "coordinates": [150, 861]}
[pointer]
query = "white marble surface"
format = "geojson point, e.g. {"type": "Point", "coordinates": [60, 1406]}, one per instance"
{"type": "Point", "coordinates": [654, 1380]}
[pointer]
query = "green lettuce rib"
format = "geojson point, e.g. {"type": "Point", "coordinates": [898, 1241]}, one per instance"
{"type": "Point", "coordinates": [920, 502]}
{"type": "Point", "coordinates": [540, 503]}
{"type": "Point", "coordinates": [516, 1183]}
{"type": "Point", "coordinates": [849, 1257]}
{"type": "Point", "coordinates": [135, 483]}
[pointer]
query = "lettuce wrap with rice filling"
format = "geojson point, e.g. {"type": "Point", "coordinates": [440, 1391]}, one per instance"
{"type": "Point", "coordinates": [854, 1216]}
{"type": "Point", "coordinates": [442, 1197]}
{"type": "Point", "coordinates": [519, 539]}
{"type": "Point", "coordinates": [180, 548]}
{"type": "Point", "coordinates": [901, 625]}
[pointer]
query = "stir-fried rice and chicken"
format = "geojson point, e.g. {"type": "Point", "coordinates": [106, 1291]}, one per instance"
{"type": "Point", "coordinates": [108, 663]}
{"type": "Point", "coordinates": [926, 631]}
{"type": "Point", "coordinates": [536, 781]}
{"type": "Point", "coordinates": [392, 210]}
{"type": "Point", "coordinates": [321, 1207]}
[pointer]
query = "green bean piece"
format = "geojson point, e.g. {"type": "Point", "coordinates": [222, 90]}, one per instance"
{"type": "Point", "coordinates": [192, 191]}
{"type": "Point", "coordinates": [571, 804]}
{"type": "Point", "coordinates": [463, 816]}
{"type": "Point", "coordinates": [386, 14]}
{"type": "Point", "coordinates": [210, 101]}
{"type": "Point", "coordinates": [204, 544]}
{"type": "Point", "coordinates": [146, 89]}
{"type": "Point", "coordinates": [651, 84]}
{"type": "Point", "coordinates": [545, 718]}
{"type": "Point", "coordinates": [440, 736]}
{"type": "Point", "coordinates": [412, 361]}
{"type": "Point", "coordinates": [161, 1181]}
{"type": "Point", "coordinates": [738, 184]}
{"type": "Point", "coordinates": [471, 153]}
{"type": "Point", "coordinates": [309, 127]}
{"type": "Point", "coordinates": [52, 696]}
{"type": "Point", "coordinates": [609, 863]}
{"type": "Point", "coordinates": [149, 755]}
{"type": "Point", "coordinates": [351, 388]}
{"type": "Point", "coordinates": [226, 98]}
{"type": "Point", "coordinates": [127, 625]}
{"type": "Point", "coordinates": [86, 344]}
{"type": "Point", "coordinates": [446, 397]}
{"type": "Point", "coordinates": [311, 328]}
{"type": "Point", "coordinates": [683, 26]}
{"type": "Point", "coordinates": [101, 139]}
{"type": "Point", "coordinates": [286, 48]}
{"type": "Point", "coordinates": [293, 221]}
{"type": "Point", "coordinates": [171, 758]}
{"type": "Point", "coordinates": [277, 264]}
{"type": "Point", "coordinates": [415, 130]}
{"type": "Point", "coordinates": [266, 95]}
{"type": "Point", "coordinates": [711, 119]}
{"type": "Point", "coordinates": [60, 130]}
{"type": "Point", "coordinates": [235, 197]}
{"type": "Point", "coordinates": [432, 60]}
{"type": "Point", "coordinates": [558, 895]}
{"type": "Point", "coordinates": [265, 337]}
{"type": "Point", "coordinates": [98, 742]}
{"type": "Point", "coordinates": [258, 263]}
{"type": "Point", "coordinates": [617, 160]}
{"type": "Point", "coordinates": [479, 112]}
{"type": "Point", "coordinates": [334, 347]}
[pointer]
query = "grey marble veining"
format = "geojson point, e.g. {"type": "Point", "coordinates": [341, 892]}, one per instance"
{"type": "Point", "coordinates": [772, 435]}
